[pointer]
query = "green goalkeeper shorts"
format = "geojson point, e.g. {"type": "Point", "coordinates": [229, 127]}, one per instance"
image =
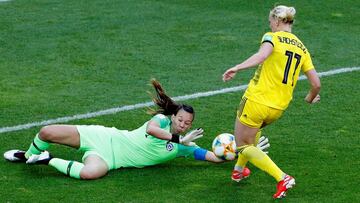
{"type": "Point", "coordinates": [97, 140]}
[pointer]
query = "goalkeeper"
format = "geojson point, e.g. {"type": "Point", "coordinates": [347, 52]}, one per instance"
{"type": "Point", "coordinates": [156, 141]}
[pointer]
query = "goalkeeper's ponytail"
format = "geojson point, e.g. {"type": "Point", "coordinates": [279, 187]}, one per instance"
{"type": "Point", "coordinates": [166, 105]}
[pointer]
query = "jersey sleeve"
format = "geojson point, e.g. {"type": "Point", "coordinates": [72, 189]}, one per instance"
{"type": "Point", "coordinates": [161, 119]}
{"type": "Point", "coordinates": [308, 65]}
{"type": "Point", "coordinates": [268, 37]}
{"type": "Point", "coordinates": [191, 151]}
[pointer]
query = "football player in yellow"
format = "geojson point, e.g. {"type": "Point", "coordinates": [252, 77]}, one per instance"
{"type": "Point", "coordinates": [281, 57]}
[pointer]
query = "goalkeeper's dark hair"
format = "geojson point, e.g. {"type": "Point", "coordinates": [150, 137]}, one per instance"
{"type": "Point", "coordinates": [165, 104]}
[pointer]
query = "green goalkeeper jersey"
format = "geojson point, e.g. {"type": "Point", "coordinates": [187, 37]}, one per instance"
{"type": "Point", "coordinates": [138, 149]}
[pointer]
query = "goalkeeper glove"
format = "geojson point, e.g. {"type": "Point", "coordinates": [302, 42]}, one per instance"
{"type": "Point", "coordinates": [263, 144]}
{"type": "Point", "coordinates": [191, 136]}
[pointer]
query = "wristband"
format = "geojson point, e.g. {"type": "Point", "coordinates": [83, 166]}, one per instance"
{"type": "Point", "coordinates": [175, 138]}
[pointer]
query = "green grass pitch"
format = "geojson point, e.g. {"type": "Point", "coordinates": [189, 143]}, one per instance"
{"type": "Point", "coordinates": [62, 58]}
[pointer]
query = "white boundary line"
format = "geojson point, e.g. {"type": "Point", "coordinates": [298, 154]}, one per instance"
{"type": "Point", "coordinates": [147, 104]}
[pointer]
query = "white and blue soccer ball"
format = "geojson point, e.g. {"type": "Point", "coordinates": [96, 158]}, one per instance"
{"type": "Point", "coordinates": [224, 146]}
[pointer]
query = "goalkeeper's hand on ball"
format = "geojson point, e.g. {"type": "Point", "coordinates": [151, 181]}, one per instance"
{"type": "Point", "coordinates": [191, 136]}
{"type": "Point", "coordinates": [263, 144]}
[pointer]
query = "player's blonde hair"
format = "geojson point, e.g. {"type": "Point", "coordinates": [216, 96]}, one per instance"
{"type": "Point", "coordinates": [283, 13]}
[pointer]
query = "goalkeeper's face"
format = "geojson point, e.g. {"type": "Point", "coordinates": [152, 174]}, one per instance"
{"type": "Point", "coordinates": [181, 122]}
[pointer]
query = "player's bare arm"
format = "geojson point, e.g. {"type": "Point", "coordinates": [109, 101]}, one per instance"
{"type": "Point", "coordinates": [264, 52]}
{"type": "Point", "coordinates": [313, 95]}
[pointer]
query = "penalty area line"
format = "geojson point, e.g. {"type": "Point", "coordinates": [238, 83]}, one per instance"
{"type": "Point", "coordinates": [147, 104]}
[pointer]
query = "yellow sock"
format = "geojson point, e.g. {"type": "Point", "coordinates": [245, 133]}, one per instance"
{"type": "Point", "coordinates": [242, 160]}
{"type": "Point", "coordinates": [262, 161]}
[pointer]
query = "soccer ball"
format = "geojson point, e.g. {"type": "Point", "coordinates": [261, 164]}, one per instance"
{"type": "Point", "coordinates": [224, 146]}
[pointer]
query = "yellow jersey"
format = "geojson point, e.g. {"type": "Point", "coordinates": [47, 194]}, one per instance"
{"type": "Point", "coordinates": [275, 79]}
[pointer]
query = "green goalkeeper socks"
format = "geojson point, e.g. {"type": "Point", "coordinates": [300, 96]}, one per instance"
{"type": "Point", "coordinates": [36, 147]}
{"type": "Point", "coordinates": [69, 168]}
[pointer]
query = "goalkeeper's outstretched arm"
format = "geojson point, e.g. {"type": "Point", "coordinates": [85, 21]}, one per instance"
{"type": "Point", "coordinates": [263, 145]}
{"type": "Point", "coordinates": [211, 157]}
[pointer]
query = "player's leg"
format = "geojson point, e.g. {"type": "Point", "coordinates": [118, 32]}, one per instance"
{"type": "Point", "coordinates": [261, 159]}
{"type": "Point", "coordinates": [287, 181]}
{"type": "Point", "coordinates": [240, 170]}
{"type": "Point", "coordinates": [245, 133]}
{"type": "Point", "coordinates": [93, 167]}
{"type": "Point", "coordinates": [245, 137]}
{"type": "Point", "coordinates": [96, 143]}
{"type": "Point", "coordinates": [250, 118]}
{"type": "Point", "coordinates": [60, 134]}
{"type": "Point", "coordinates": [241, 162]}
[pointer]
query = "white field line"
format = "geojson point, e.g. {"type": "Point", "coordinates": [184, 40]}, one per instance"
{"type": "Point", "coordinates": [147, 104]}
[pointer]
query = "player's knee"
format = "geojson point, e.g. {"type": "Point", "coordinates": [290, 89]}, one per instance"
{"type": "Point", "coordinates": [46, 133]}
{"type": "Point", "coordinates": [87, 175]}
{"type": "Point", "coordinates": [90, 174]}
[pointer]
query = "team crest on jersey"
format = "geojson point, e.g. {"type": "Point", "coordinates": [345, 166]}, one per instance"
{"type": "Point", "coordinates": [169, 146]}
